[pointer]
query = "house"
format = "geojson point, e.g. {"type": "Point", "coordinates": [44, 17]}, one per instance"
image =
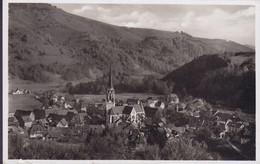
{"type": "Point", "coordinates": [133, 101]}
{"type": "Point", "coordinates": [195, 123]}
{"type": "Point", "coordinates": [22, 113]}
{"type": "Point", "coordinates": [59, 111]}
{"type": "Point", "coordinates": [78, 104]}
{"type": "Point", "coordinates": [36, 131]}
{"type": "Point", "coordinates": [79, 119]}
{"type": "Point", "coordinates": [181, 107]}
{"type": "Point", "coordinates": [37, 114]}
{"type": "Point", "coordinates": [245, 136]}
{"type": "Point", "coordinates": [196, 114]}
{"type": "Point", "coordinates": [63, 123]}
{"type": "Point", "coordinates": [67, 106]}
{"type": "Point", "coordinates": [175, 130]}
{"type": "Point", "coordinates": [155, 104]}
{"type": "Point", "coordinates": [25, 121]}
{"type": "Point", "coordinates": [10, 114]}
{"type": "Point", "coordinates": [16, 130]}
{"type": "Point", "coordinates": [12, 121]}
{"type": "Point", "coordinates": [222, 118]}
{"type": "Point", "coordinates": [82, 117]}
{"type": "Point", "coordinates": [234, 126]}
{"type": "Point", "coordinates": [172, 99]}
{"type": "Point", "coordinates": [150, 112]}
{"type": "Point", "coordinates": [53, 135]}
{"type": "Point", "coordinates": [18, 92]}
{"type": "Point", "coordinates": [54, 119]}
{"type": "Point", "coordinates": [130, 113]}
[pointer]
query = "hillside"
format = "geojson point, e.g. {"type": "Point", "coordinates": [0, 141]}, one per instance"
{"type": "Point", "coordinates": [227, 79]}
{"type": "Point", "coordinates": [47, 44]}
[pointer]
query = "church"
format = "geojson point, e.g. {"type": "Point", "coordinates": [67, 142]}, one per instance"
{"type": "Point", "coordinates": [133, 113]}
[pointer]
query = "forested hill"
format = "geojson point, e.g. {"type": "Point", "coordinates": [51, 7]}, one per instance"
{"type": "Point", "coordinates": [46, 43]}
{"type": "Point", "coordinates": [227, 79]}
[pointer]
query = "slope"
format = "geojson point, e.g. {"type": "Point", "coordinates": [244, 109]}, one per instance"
{"type": "Point", "coordinates": [227, 79]}
{"type": "Point", "coordinates": [45, 43]}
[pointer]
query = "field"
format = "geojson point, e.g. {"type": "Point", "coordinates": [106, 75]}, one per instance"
{"type": "Point", "coordinates": [28, 102]}
{"type": "Point", "coordinates": [23, 102]}
{"type": "Point", "coordinates": [121, 96]}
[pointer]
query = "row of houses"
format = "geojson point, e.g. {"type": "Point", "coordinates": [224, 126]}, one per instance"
{"type": "Point", "coordinates": [20, 91]}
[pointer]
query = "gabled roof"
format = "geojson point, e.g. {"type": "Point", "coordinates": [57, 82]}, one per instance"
{"type": "Point", "coordinates": [55, 117]}
{"type": "Point", "coordinates": [117, 110]}
{"type": "Point", "coordinates": [127, 110]}
{"type": "Point", "coordinates": [69, 116]}
{"type": "Point", "coordinates": [36, 128]}
{"type": "Point", "coordinates": [138, 108]}
{"type": "Point", "coordinates": [26, 119]}
{"type": "Point", "coordinates": [177, 129]}
{"type": "Point", "coordinates": [150, 112]}
{"type": "Point", "coordinates": [223, 116]}
{"type": "Point", "coordinates": [63, 122]}
{"type": "Point", "coordinates": [82, 116]}
{"type": "Point", "coordinates": [22, 113]}
{"type": "Point", "coordinates": [235, 125]}
{"type": "Point", "coordinates": [39, 113]}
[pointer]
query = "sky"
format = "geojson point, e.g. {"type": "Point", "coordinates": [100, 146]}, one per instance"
{"type": "Point", "coordinates": [229, 22]}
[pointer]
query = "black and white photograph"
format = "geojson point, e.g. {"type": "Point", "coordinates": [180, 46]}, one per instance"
{"type": "Point", "coordinates": [130, 81]}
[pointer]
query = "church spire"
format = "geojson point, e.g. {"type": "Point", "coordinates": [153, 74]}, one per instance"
{"type": "Point", "coordinates": [110, 99]}
{"type": "Point", "coordinates": [110, 83]}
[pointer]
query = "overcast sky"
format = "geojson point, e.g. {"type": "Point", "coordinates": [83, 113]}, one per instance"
{"type": "Point", "coordinates": [236, 23]}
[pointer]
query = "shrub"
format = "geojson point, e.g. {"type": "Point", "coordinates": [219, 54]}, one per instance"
{"type": "Point", "coordinates": [184, 149]}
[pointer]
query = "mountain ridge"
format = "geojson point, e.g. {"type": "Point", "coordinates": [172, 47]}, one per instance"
{"type": "Point", "coordinates": [224, 79]}
{"type": "Point", "coordinates": [41, 34]}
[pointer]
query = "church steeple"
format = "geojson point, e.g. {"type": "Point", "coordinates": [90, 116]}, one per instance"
{"type": "Point", "coordinates": [110, 98]}
{"type": "Point", "coordinates": [110, 83]}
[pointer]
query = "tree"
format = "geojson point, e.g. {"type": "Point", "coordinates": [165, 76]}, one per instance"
{"type": "Point", "coordinates": [184, 149]}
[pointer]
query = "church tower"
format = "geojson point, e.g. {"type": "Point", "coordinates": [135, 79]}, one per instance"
{"type": "Point", "coordinates": [110, 99]}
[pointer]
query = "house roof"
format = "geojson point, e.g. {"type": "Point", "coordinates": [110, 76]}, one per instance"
{"type": "Point", "coordinates": [150, 112]}
{"type": "Point", "coordinates": [82, 116]}
{"type": "Point", "coordinates": [177, 129]}
{"type": "Point", "coordinates": [138, 108]}
{"type": "Point", "coordinates": [132, 100]}
{"type": "Point", "coordinates": [69, 116]}
{"type": "Point", "coordinates": [234, 124]}
{"type": "Point", "coordinates": [26, 119]}
{"type": "Point", "coordinates": [22, 113]}
{"type": "Point", "coordinates": [39, 113]}
{"type": "Point", "coordinates": [36, 128]}
{"type": "Point", "coordinates": [223, 116]}
{"type": "Point", "coordinates": [117, 110]}
{"type": "Point", "coordinates": [55, 117]}
{"type": "Point", "coordinates": [127, 110]}
{"type": "Point", "coordinates": [63, 122]}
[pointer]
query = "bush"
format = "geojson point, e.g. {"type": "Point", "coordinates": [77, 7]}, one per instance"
{"type": "Point", "coordinates": [185, 149]}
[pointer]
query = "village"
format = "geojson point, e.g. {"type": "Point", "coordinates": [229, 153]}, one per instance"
{"type": "Point", "coordinates": [61, 120]}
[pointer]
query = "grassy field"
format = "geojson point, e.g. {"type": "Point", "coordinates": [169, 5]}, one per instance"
{"type": "Point", "coordinates": [28, 102]}
{"type": "Point", "coordinates": [23, 102]}
{"type": "Point", "coordinates": [121, 96]}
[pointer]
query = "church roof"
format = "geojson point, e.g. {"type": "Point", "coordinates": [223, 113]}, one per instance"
{"type": "Point", "coordinates": [138, 108]}
{"type": "Point", "coordinates": [125, 109]}
{"type": "Point", "coordinates": [117, 110]}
